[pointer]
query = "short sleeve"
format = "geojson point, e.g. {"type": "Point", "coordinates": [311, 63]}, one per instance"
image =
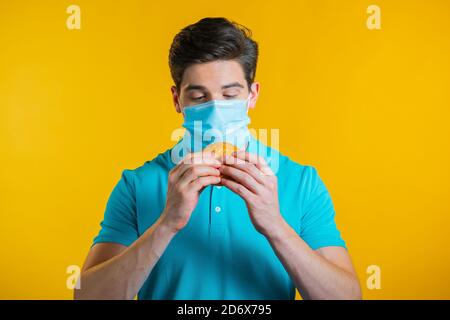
{"type": "Point", "coordinates": [119, 223]}
{"type": "Point", "coordinates": [318, 226]}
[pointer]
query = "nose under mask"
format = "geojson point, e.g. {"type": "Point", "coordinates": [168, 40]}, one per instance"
{"type": "Point", "coordinates": [216, 121]}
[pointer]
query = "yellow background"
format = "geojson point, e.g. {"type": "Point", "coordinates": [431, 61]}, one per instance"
{"type": "Point", "coordinates": [369, 109]}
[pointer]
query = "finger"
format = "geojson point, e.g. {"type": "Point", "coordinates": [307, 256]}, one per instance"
{"type": "Point", "coordinates": [199, 158]}
{"type": "Point", "coordinates": [189, 160]}
{"type": "Point", "coordinates": [249, 157]}
{"type": "Point", "coordinates": [248, 167]}
{"type": "Point", "coordinates": [237, 188]}
{"type": "Point", "coordinates": [241, 177]}
{"type": "Point", "coordinates": [195, 172]}
{"type": "Point", "coordinates": [202, 182]}
{"type": "Point", "coordinates": [176, 170]}
{"type": "Point", "coordinates": [257, 160]}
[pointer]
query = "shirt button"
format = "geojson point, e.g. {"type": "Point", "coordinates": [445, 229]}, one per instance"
{"type": "Point", "coordinates": [218, 209]}
{"type": "Point", "coordinates": [219, 187]}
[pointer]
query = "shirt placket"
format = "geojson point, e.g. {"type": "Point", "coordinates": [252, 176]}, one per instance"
{"type": "Point", "coordinates": [217, 212]}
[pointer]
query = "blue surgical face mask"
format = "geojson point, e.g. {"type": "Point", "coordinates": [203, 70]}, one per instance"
{"type": "Point", "coordinates": [215, 121]}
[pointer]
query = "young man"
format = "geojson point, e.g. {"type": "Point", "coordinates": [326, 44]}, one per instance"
{"type": "Point", "coordinates": [186, 225]}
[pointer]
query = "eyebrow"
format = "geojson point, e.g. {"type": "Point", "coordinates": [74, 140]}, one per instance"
{"type": "Point", "coordinates": [203, 88]}
{"type": "Point", "coordinates": [233, 85]}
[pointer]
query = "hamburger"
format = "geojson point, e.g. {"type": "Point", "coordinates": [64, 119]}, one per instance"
{"type": "Point", "coordinates": [221, 149]}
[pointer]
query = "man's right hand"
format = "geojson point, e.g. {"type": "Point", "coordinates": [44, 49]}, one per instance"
{"type": "Point", "coordinates": [186, 182]}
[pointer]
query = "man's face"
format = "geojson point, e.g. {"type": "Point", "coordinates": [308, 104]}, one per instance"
{"type": "Point", "coordinates": [217, 80]}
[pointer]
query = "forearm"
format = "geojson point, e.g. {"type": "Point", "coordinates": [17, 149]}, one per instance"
{"type": "Point", "coordinates": [122, 276]}
{"type": "Point", "coordinates": [314, 276]}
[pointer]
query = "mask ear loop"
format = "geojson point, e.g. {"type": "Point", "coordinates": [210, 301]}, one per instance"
{"type": "Point", "coordinates": [181, 108]}
{"type": "Point", "coordinates": [248, 107]}
{"type": "Point", "coordinates": [248, 101]}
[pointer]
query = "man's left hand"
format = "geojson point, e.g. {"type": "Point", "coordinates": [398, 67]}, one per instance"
{"type": "Point", "coordinates": [249, 176]}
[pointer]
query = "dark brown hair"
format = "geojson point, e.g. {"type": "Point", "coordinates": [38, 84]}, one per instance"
{"type": "Point", "coordinates": [212, 39]}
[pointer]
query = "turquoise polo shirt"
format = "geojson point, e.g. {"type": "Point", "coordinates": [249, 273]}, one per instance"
{"type": "Point", "coordinates": [219, 254]}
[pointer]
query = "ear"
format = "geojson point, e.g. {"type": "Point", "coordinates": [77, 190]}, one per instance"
{"type": "Point", "coordinates": [254, 91]}
{"type": "Point", "coordinates": [175, 99]}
